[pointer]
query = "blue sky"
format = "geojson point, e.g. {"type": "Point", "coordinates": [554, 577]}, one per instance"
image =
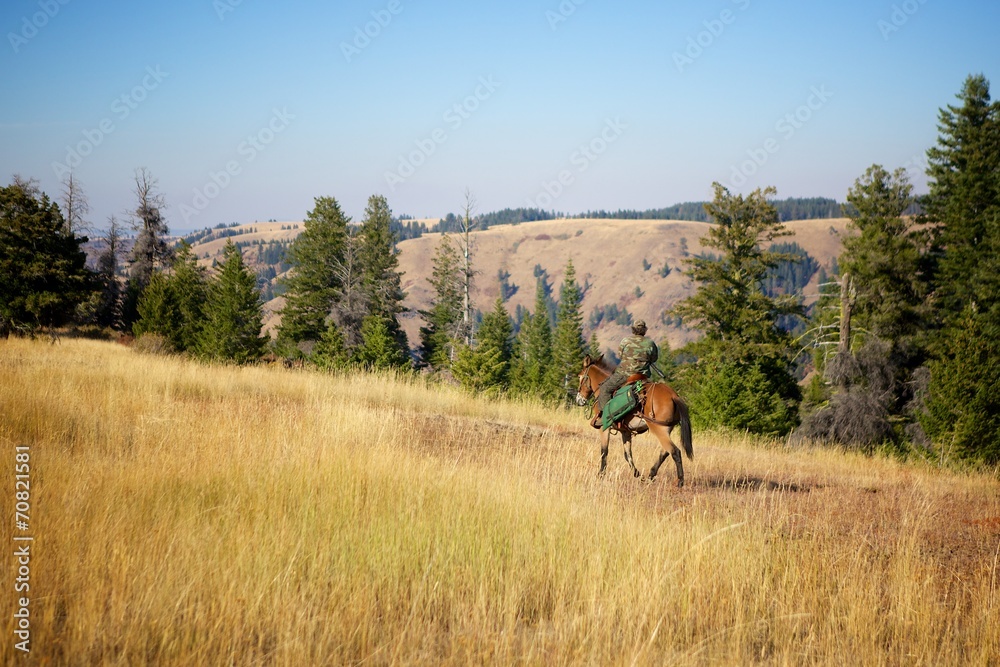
{"type": "Point", "coordinates": [246, 110]}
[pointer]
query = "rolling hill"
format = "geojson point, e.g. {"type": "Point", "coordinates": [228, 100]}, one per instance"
{"type": "Point", "coordinates": [610, 257]}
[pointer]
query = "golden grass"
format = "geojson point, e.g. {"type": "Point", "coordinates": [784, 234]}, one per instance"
{"type": "Point", "coordinates": [187, 514]}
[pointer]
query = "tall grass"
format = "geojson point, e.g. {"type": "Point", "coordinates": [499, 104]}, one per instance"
{"type": "Point", "coordinates": [188, 514]}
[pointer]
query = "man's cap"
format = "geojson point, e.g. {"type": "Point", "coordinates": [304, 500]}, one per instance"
{"type": "Point", "coordinates": [639, 323]}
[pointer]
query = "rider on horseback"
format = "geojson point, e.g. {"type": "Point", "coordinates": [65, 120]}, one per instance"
{"type": "Point", "coordinates": [637, 354]}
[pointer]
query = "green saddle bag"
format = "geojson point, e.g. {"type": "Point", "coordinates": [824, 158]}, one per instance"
{"type": "Point", "coordinates": [624, 401]}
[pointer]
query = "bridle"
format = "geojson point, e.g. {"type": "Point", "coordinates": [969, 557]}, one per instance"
{"type": "Point", "coordinates": [582, 400]}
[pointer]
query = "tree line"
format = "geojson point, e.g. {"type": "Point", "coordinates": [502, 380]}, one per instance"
{"type": "Point", "coordinates": [905, 341]}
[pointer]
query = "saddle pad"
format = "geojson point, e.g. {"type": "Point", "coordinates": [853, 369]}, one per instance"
{"type": "Point", "coordinates": [619, 406]}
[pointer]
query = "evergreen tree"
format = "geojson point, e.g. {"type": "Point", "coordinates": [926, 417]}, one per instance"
{"type": "Point", "coordinates": [445, 313]}
{"type": "Point", "coordinates": [312, 286]}
{"type": "Point", "coordinates": [568, 347]}
{"type": "Point", "coordinates": [594, 346]}
{"type": "Point", "coordinates": [883, 257]}
{"type": "Point", "coordinates": [108, 312]}
{"type": "Point", "coordinates": [42, 268]}
{"type": "Point", "coordinates": [479, 370]}
{"type": "Point", "coordinates": [379, 349]}
{"type": "Point", "coordinates": [963, 209]}
{"type": "Point", "coordinates": [962, 405]}
{"type": "Point", "coordinates": [233, 313]}
{"type": "Point", "coordinates": [157, 311]}
{"type": "Point", "coordinates": [730, 305]}
{"type": "Point", "coordinates": [964, 201]}
{"type": "Point", "coordinates": [487, 367]}
{"type": "Point", "coordinates": [744, 351]}
{"type": "Point", "coordinates": [535, 374]}
{"type": "Point", "coordinates": [330, 352]}
{"type": "Point", "coordinates": [190, 288]}
{"type": "Point", "coordinates": [380, 267]}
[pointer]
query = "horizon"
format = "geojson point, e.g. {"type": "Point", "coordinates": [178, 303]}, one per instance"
{"type": "Point", "coordinates": [245, 112]}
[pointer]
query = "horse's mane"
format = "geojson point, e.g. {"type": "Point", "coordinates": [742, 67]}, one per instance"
{"type": "Point", "coordinates": [603, 365]}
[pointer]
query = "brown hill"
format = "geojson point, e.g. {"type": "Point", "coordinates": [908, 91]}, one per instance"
{"type": "Point", "coordinates": [608, 255]}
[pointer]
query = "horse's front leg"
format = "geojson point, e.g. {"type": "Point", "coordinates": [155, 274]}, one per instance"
{"type": "Point", "coordinates": [627, 443]}
{"type": "Point", "coordinates": [604, 437]}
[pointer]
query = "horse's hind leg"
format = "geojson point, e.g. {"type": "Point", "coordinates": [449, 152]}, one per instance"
{"type": "Point", "coordinates": [667, 448]}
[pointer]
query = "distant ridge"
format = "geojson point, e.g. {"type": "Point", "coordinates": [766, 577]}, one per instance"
{"type": "Point", "coordinates": [793, 208]}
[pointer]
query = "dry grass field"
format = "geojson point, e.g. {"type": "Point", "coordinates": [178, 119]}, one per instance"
{"type": "Point", "coordinates": [194, 515]}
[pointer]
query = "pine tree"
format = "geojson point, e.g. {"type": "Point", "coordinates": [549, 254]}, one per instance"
{"type": "Point", "coordinates": [330, 353]}
{"type": "Point", "coordinates": [380, 267]}
{"type": "Point", "coordinates": [233, 313]}
{"type": "Point", "coordinates": [730, 305]}
{"type": "Point", "coordinates": [189, 284]}
{"type": "Point", "coordinates": [157, 311]}
{"type": "Point", "coordinates": [108, 312]}
{"type": "Point", "coordinates": [963, 209]}
{"type": "Point", "coordinates": [535, 375]}
{"type": "Point", "coordinates": [487, 366]}
{"type": "Point", "coordinates": [963, 405]}
{"type": "Point", "coordinates": [378, 349]}
{"type": "Point", "coordinates": [882, 257]}
{"type": "Point", "coordinates": [316, 255]}
{"type": "Point", "coordinates": [745, 357]}
{"type": "Point", "coordinates": [568, 348]}
{"type": "Point", "coordinates": [964, 201]}
{"type": "Point", "coordinates": [42, 267]}
{"type": "Point", "coordinates": [594, 346]}
{"type": "Point", "coordinates": [443, 317]}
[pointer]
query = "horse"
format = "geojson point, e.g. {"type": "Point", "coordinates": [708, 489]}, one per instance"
{"type": "Point", "coordinates": [659, 411]}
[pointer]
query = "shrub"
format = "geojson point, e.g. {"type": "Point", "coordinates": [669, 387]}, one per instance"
{"type": "Point", "coordinates": [153, 343]}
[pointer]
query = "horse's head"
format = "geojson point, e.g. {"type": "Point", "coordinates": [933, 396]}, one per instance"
{"type": "Point", "coordinates": [588, 385]}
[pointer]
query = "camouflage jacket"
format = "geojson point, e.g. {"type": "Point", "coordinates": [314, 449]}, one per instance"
{"type": "Point", "coordinates": [637, 354]}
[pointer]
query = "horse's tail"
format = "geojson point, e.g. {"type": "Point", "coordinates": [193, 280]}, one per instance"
{"type": "Point", "coordinates": [682, 410]}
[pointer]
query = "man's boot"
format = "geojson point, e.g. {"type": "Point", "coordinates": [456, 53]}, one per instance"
{"type": "Point", "coordinates": [596, 422]}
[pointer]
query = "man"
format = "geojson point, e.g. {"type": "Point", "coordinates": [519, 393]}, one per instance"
{"type": "Point", "coordinates": [637, 354]}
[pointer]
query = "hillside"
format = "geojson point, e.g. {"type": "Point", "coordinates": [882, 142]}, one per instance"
{"type": "Point", "coordinates": [187, 514]}
{"type": "Point", "coordinates": [608, 255]}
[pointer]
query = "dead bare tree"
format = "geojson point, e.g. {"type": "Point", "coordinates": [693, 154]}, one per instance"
{"type": "Point", "coordinates": [468, 224]}
{"type": "Point", "coordinates": [75, 205]}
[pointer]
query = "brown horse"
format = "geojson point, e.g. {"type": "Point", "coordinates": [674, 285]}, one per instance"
{"type": "Point", "coordinates": [660, 411]}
